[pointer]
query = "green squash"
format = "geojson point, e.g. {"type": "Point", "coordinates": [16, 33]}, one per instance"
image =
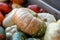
{"type": "Point", "coordinates": [32, 39]}
{"type": "Point", "coordinates": [18, 36]}
{"type": "Point", "coordinates": [2, 34]}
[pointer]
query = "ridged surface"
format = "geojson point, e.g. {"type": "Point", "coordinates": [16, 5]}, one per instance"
{"type": "Point", "coordinates": [27, 22]}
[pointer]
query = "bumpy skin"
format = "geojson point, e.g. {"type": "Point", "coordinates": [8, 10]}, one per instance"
{"type": "Point", "coordinates": [18, 36]}
{"type": "Point", "coordinates": [27, 22]}
{"type": "Point", "coordinates": [32, 39]}
{"type": "Point", "coordinates": [2, 34]}
{"type": "Point", "coordinates": [52, 32]}
{"type": "Point", "coordinates": [10, 31]}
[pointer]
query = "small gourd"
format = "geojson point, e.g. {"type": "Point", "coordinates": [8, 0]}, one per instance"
{"type": "Point", "coordinates": [2, 34]}
{"type": "Point", "coordinates": [8, 21]}
{"type": "Point", "coordinates": [10, 31]}
{"type": "Point", "coordinates": [19, 36]}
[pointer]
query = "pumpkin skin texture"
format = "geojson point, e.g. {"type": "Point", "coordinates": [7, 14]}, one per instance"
{"type": "Point", "coordinates": [1, 18]}
{"type": "Point", "coordinates": [52, 32]}
{"type": "Point", "coordinates": [19, 36]}
{"type": "Point", "coordinates": [27, 22]}
{"type": "Point", "coordinates": [8, 21]}
{"type": "Point", "coordinates": [2, 34]}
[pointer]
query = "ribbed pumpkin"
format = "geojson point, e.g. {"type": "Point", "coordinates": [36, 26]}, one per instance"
{"type": "Point", "coordinates": [28, 22]}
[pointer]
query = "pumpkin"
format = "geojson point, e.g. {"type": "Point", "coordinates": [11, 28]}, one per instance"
{"type": "Point", "coordinates": [32, 39]}
{"type": "Point", "coordinates": [14, 5]}
{"type": "Point", "coordinates": [28, 22]}
{"type": "Point", "coordinates": [18, 1]}
{"type": "Point", "coordinates": [8, 21]}
{"type": "Point", "coordinates": [2, 34]}
{"type": "Point", "coordinates": [10, 31]}
{"type": "Point", "coordinates": [19, 36]}
{"type": "Point", "coordinates": [53, 32]}
{"type": "Point", "coordinates": [47, 18]}
{"type": "Point", "coordinates": [1, 18]}
{"type": "Point", "coordinates": [5, 8]}
{"type": "Point", "coordinates": [35, 8]}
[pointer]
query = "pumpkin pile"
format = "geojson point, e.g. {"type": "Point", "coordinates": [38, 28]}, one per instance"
{"type": "Point", "coordinates": [21, 22]}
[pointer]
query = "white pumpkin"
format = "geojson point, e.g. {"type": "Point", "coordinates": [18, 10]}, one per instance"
{"type": "Point", "coordinates": [52, 32]}
{"type": "Point", "coordinates": [10, 31]}
{"type": "Point", "coordinates": [8, 21]}
{"type": "Point", "coordinates": [48, 18]}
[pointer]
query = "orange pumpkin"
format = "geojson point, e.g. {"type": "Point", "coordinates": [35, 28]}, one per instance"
{"type": "Point", "coordinates": [18, 1]}
{"type": "Point", "coordinates": [27, 22]}
{"type": "Point", "coordinates": [1, 18]}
